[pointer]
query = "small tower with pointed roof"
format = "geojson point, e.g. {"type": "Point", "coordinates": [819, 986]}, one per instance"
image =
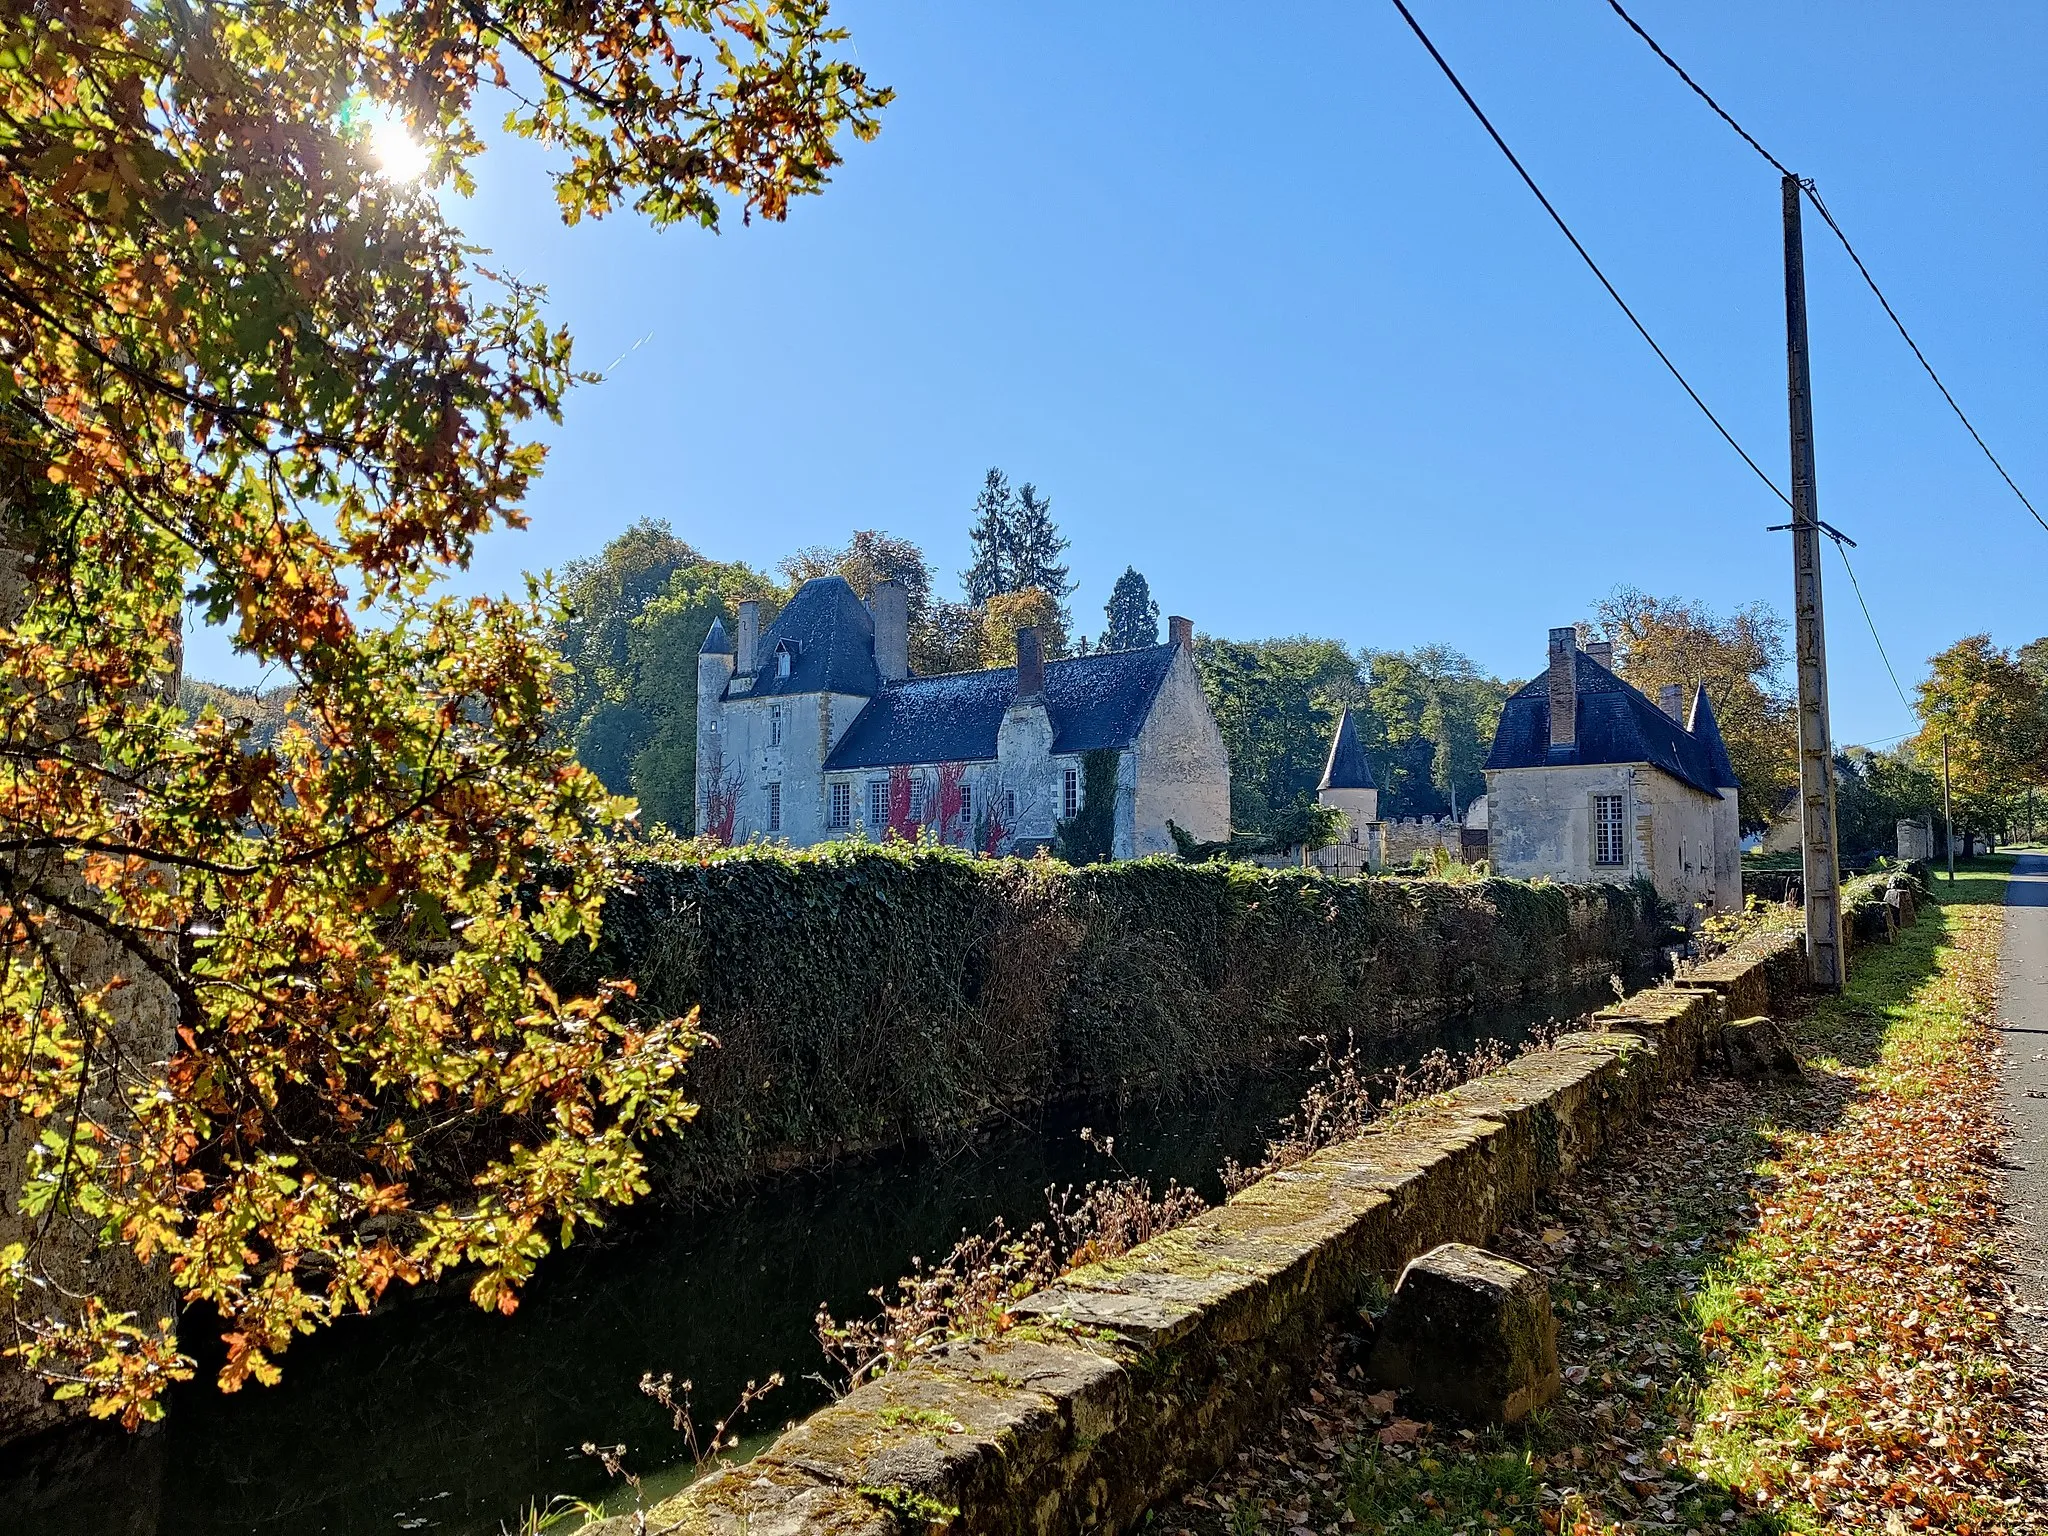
{"type": "Point", "coordinates": [1348, 784]}
{"type": "Point", "coordinates": [715, 662]}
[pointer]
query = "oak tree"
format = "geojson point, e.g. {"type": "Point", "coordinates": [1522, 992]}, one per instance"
{"type": "Point", "coordinates": [272, 1020]}
{"type": "Point", "coordinates": [1739, 658]}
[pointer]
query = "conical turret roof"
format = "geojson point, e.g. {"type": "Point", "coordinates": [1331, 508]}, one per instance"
{"type": "Point", "coordinates": [1347, 767]}
{"type": "Point", "coordinates": [716, 643]}
{"type": "Point", "coordinates": [1706, 730]}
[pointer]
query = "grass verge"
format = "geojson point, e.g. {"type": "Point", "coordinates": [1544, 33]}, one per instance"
{"type": "Point", "coordinates": [1778, 1310]}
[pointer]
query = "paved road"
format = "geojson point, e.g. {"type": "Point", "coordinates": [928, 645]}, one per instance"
{"type": "Point", "coordinates": [2023, 1017]}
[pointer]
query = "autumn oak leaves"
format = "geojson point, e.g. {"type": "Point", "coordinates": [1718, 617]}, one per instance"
{"type": "Point", "coordinates": [270, 1013]}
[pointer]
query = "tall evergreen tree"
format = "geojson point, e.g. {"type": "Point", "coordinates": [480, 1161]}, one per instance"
{"type": "Point", "coordinates": [993, 538]}
{"type": "Point", "coordinates": [1035, 550]}
{"type": "Point", "coordinates": [1133, 615]}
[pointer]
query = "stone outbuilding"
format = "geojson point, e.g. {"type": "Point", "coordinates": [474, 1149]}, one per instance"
{"type": "Point", "coordinates": [1589, 780]}
{"type": "Point", "coordinates": [817, 730]}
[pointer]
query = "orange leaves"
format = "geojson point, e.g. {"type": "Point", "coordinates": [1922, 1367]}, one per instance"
{"type": "Point", "coordinates": [252, 378]}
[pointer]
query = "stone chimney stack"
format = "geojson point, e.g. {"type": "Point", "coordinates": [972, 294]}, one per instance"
{"type": "Point", "coordinates": [1564, 687]}
{"type": "Point", "coordinates": [749, 642]}
{"type": "Point", "coordinates": [1601, 651]}
{"type": "Point", "coordinates": [1030, 664]}
{"type": "Point", "coordinates": [890, 605]}
{"type": "Point", "coordinates": [1671, 699]}
{"type": "Point", "coordinates": [1180, 633]}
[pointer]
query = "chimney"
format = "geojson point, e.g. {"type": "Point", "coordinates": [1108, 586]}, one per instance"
{"type": "Point", "coordinates": [1030, 664]}
{"type": "Point", "coordinates": [1180, 633]}
{"type": "Point", "coordinates": [1564, 687]}
{"type": "Point", "coordinates": [1671, 699]}
{"type": "Point", "coordinates": [1601, 651]}
{"type": "Point", "coordinates": [890, 604]}
{"type": "Point", "coordinates": [750, 637]}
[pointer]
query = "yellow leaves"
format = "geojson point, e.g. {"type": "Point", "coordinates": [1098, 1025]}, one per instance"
{"type": "Point", "coordinates": [246, 1359]}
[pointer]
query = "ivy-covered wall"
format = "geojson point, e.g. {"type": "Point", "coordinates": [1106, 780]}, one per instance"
{"type": "Point", "coordinates": [863, 994]}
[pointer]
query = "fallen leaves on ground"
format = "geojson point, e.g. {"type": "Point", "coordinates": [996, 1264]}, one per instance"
{"type": "Point", "coordinates": [1778, 1310]}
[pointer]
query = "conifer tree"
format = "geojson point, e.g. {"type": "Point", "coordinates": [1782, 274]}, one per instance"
{"type": "Point", "coordinates": [993, 539]}
{"type": "Point", "coordinates": [1132, 614]}
{"type": "Point", "coordinates": [1035, 550]}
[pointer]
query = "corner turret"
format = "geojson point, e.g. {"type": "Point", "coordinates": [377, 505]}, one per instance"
{"type": "Point", "coordinates": [714, 670]}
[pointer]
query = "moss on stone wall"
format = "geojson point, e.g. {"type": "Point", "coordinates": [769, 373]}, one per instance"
{"type": "Point", "coordinates": [864, 995]}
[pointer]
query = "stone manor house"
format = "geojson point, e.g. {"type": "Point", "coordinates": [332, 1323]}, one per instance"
{"type": "Point", "coordinates": [1589, 780]}
{"type": "Point", "coordinates": [816, 729]}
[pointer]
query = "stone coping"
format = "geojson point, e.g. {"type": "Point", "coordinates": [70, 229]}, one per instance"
{"type": "Point", "coordinates": [1133, 1379]}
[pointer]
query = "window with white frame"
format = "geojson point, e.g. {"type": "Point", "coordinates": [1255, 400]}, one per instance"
{"type": "Point", "coordinates": [878, 804]}
{"type": "Point", "coordinates": [1608, 851]}
{"type": "Point", "coordinates": [967, 805]}
{"type": "Point", "coordinates": [774, 725]}
{"type": "Point", "coordinates": [839, 812]}
{"type": "Point", "coordinates": [917, 799]}
{"type": "Point", "coordinates": [1070, 792]}
{"type": "Point", "coordinates": [1010, 806]}
{"type": "Point", "coordinates": [774, 807]}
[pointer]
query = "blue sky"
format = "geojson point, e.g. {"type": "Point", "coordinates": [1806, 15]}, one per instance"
{"type": "Point", "coordinates": [1266, 315]}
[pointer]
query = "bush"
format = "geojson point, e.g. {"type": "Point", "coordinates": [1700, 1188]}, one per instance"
{"type": "Point", "coordinates": [867, 994]}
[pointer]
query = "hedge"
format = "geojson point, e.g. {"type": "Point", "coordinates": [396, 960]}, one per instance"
{"type": "Point", "coordinates": [865, 995]}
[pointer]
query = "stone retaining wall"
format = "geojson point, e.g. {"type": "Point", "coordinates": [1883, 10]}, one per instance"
{"type": "Point", "coordinates": [1134, 1379]}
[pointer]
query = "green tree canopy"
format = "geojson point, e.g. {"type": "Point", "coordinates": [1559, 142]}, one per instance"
{"type": "Point", "coordinates": [1132, 614]}
{"type": "Point", "coordinates": [1993, 713]}
{"type": "Point", "coordinates": [1431, 724]}
{"type": "Point", "coordinates": [1874, 792]}
{"type": "Point", "coordinates": [992, 541]}
{"type": "Point", "coordinates": [1276, 703]}
{"type": "Point", "coordinates": [251, 370]}
{"type": "Point", "coordinates": [637, 613]}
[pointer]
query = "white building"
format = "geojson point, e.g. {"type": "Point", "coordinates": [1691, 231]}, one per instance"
{"type": "Point", "coordinates": [1589, 780]}
{"type": "Point", "coordinates": [817, 728]}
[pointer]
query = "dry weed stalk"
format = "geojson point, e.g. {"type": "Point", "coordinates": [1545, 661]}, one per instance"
{"type": "Point", "coordinates": [1346, 1097]}
{"type": "Point", "coordinates": [969, 1293]}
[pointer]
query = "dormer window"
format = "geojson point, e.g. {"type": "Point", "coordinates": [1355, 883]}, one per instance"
{"type": "Point", "coordinates": [785, 658]}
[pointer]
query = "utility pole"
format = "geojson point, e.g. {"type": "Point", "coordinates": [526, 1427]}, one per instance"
{"type": "Point", "coordinates": [1948, 820]}
{"type": "Point", "coordinates": [1816, 749]}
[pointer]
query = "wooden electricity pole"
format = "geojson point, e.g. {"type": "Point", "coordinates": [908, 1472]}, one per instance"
{"type": "Point", "coordinates": [1816, 751]}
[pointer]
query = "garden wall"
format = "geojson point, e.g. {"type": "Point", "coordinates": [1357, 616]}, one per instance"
{"type": "Point", "coordinates": [867, 995]}
{"type": "Point", "coordinates": [1134, 1379]}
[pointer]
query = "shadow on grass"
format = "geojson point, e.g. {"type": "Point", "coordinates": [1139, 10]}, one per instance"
{"type": "Point", "coordinates": [1631, 1252]}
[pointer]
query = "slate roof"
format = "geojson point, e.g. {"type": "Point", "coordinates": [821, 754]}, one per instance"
{"type": "Point", "coordinates": [1616, 724]}
{"type": "Point", "coordinates": [831, 637]}
{"type": "Point", "coordinates": [715, 642]}
{"type": "Point", "coordinates": [1707, 731]}
{"type": "Point", "coordinates": [1093, 701]}
{"type": "Point", "coordinates": [1347, 767]}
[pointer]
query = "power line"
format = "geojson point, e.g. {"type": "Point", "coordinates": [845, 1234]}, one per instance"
{"type": "Point", "coordinates": [1857, 587]}
{"type": "Point", "coordinates": [1558, 219]}
{"type": "Point", "coordinates": [1813, 196]}
{"type": "Point", "coordinates": [1585, 256]}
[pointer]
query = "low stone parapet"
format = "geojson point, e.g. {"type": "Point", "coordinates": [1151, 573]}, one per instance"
{"type": "Point", "coordinates": [1133, 1379]}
